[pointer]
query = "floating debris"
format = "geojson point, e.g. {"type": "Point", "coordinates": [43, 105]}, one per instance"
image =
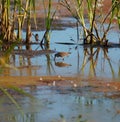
{"type": "Point", "coordinates": [54, 83]}
{"type": "Point", "coordinates": [41, 78]}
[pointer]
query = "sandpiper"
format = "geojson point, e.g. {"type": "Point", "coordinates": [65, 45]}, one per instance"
{"type": "Point", "coordinates": [61, 54]}
{"type": "Point", "coordinates": [36, 37]}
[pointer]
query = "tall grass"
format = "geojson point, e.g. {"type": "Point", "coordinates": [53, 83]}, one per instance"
{"type": "Point", "coordinates": [5, 22]}
{"type": "Point", "coordinates": [20, 12]}
{"type": "Point", "coordinates": [12, 12]}
{"type": "Point", "coordinates": [30, 6]}
{"type": "Point", "coordinates": [49, 16]}
{"type": "Point", "coordinates": [93, 12]}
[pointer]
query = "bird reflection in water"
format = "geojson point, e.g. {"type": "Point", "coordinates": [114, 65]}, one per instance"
{"type": "Point", "coordinates": [62, 64]}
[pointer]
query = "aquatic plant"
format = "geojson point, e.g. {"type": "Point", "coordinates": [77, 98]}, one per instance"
{"type": "Point", "coordinates": [6, 23]}
{"type": "Point", "coordinates": [90, 15]}
{"type": "Point", "coordinates": [48, 20]}
{"type": "Point", "coordinates": [49, 16]}
{"type": "Point", "coordinates": [12, 12]}
{"type": "Point", "coordinates": [30, 6]}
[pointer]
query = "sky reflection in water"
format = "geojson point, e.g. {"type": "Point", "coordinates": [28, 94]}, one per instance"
{"type": "Point", "coordinates": [80, 62]}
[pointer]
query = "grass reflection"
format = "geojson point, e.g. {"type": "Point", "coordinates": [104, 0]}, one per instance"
{"type": "Point", "coordinates": [92, 58]}
{"type": "Point", "coordinates": [49, 65]}
{"type": "Point", "coordinates": [11, 90]}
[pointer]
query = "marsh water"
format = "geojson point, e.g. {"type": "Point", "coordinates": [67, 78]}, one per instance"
{"type": "Point", "coordinates": [106, 61]}
{"type": "Point", "coordinates": [62, 105]}
{"type": "Point", "coordinates": [65, 103]}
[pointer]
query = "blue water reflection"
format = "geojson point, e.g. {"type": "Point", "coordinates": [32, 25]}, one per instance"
{"type": "Point", "coordinates": [98, 62]}
{"type": "Point", "coordinates": [54, 102]}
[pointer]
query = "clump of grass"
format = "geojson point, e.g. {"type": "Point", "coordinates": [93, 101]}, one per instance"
{"type": "Point", "coordinates": [93, 12]}
{"type": "Point", "coordinates": [12, 12]}
{"type": "Point", "coordinates": [49, 16]}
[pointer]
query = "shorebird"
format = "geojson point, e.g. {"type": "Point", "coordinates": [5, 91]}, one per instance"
{"type": "Point", "coordinates": [61, 54]}
{"type": "Point", "coordinates": [36, 37]}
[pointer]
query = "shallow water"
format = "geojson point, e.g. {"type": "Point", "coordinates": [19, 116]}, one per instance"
{"type": "Point", "coordinates": [65, 104]}
{"type": "Point", "coordinates": [62, 104]}
{"type": "Point", "coordinates": [106, 61]}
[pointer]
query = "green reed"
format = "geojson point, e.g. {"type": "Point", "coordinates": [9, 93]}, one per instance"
{"type": "Point", "coordinates": [49, 16]}
{"type": "Point", "coordinates": [30, 6]}
{"type": "Point", "coordinates": [5, 23]}
{"type": "Point", "coordinates": [90, 10]}
{"type": "Point", "coordinates": [114, 12]}
{"type": "Point", "coordinates": [12, 12]}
